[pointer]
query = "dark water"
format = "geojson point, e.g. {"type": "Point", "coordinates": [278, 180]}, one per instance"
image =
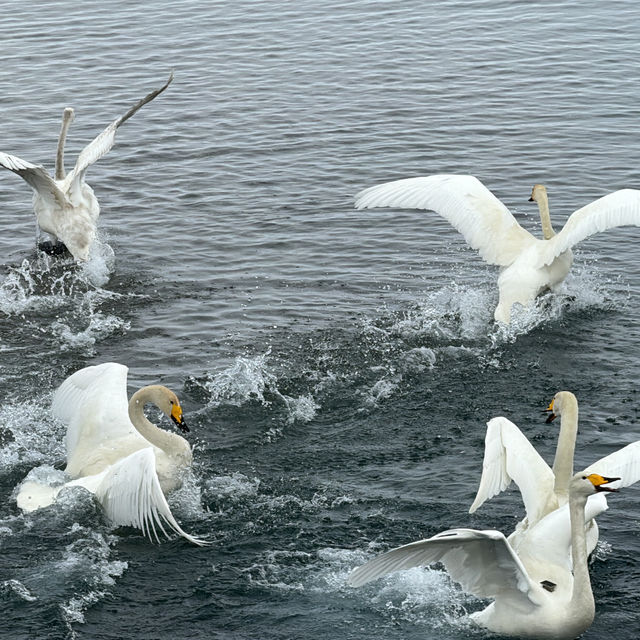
{"type": "Point", "coordinates": [336, 367]}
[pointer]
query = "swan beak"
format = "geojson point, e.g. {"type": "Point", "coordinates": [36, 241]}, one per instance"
{"type": "Point", "coordinates": [176, 416]}
{"type": "Point", "coordinates": [531, 199]}
{"type": "Point", "coordinates": [599, 481]}
{"type": "Point", "coordinates": [552, 416]}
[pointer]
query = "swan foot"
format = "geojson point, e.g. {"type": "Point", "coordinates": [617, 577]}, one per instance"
{"type": "Point", "coordinates": [53, 248]}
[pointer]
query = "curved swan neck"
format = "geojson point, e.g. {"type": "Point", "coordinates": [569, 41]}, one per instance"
{"type": "Point", "coordinates": [582, 596]}
{"type": "Point", "coordinates": [157, 437]}
{"type": "Point", "coordinates": [539, 194]}
{"type": "Point", "coordinates": [67, 119]}
{"type": "Point", "coordinates": [563, 462]}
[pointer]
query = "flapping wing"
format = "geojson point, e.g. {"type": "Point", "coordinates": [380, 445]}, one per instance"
{"type": "Point", "coordinates": [623, 464]}
{"type": "Point", "coordinates": [102, 143]}
{"type": "Point", "coordinates": [485, 222]}
{"type": "Point", "coordinates": [482, 562]}
{"type": "Point", "coordinates": [616, 209]}
{"type": "Point", "coordinates": [130, 494]}
{"type": "Point", "coordinates": [37, 177]}
{"type": "Point", "coordinates": [93, 404]}
{"type": "Point", "coordinates": [550, 538]}
{"type": "Point", "coordinates": [509, 456]}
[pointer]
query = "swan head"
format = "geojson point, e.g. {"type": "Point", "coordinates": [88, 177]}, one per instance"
{"type": "Point", "coordinates": [68, 116]}
{"type": "Point", "coordinates": [560, 400]}
{"type": "Point", "coordinates": [166, 401]}
{"type": "Point", "coordinates": [586, 484]}
{"type": "Point", "coordinates": [538, 191]}
{"type": "Point", "coordinates": [175, 413]}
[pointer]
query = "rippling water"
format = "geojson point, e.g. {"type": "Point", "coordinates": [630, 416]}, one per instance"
{"type": "Point", "coordinates": [337, 366]}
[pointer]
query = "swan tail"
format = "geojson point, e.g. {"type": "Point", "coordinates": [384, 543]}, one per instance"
{"type": "Point", "coordinates": [130, 494]}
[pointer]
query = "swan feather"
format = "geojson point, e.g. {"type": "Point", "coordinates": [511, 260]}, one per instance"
{"type": "Point", "coordinates": [482, 562]}
{"type": "Point", "coordinates": [617, 209]}
{"type": "Point", "coordinates": [37, 177]}
{"type": "Point", "coordinates": [623, 464]}
{"type": "Point", "coordinates": [104, 141]}
{"type": "Point", "coordinates": [130, 494]}
{"type": "Point", "coordinates": [506, 447]}
{"type": "Point", "coordinates": [93, 404]}
{"type": "Point", "coordinates": [484, 221]}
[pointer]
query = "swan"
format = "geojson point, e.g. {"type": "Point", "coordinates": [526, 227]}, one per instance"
{"type": "Point", "coordinates": [528, 265]}
{"type": "Point", "coordinates": [114, 452]}
{"type": "Point", "coordinates": [509, 456]}
{"type": "Point", "coordinates": [65, 206]}
{"type": "Point", "coordinates": [533, 598]}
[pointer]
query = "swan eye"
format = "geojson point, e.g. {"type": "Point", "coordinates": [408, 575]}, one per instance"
{"type": "Point", "coordinates": [584, 477]}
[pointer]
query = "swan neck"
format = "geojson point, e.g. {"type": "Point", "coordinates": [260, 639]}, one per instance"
{"type": "Point", "coordinates": [67, 117]}
{"type": "Point", "coordinates": [545, 217]}
{"type": "Point", "coordinates": [148, 430]}
{"type": "Point", "coordinates": [582, 596]}
{"type": "Point", "coordinates": [563, 462]}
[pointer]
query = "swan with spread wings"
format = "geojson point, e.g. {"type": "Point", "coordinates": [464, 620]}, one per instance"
{"type": "Point", "coordinates": [65, 206]}
{"type": "Point", "coordinates": [528, 265]}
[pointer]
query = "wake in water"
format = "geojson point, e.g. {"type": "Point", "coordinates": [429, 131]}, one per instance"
{"type": "Point", "coordinates": [52, 299]}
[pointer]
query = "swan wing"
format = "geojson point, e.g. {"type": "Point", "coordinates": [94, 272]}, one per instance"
{"type": "Point", "coordinates": [103, 142]}
{"type": "Point", "coordinates": [93, 404]}
{"type": "Point", "coordinates": [130, 494]}
{"type": "Point", "coordinates": [550, 538]}
{"type": "Point", "coordinates": [37, 177]}
{"type": "Point", "coordinates": [482, 562]}
{"type": "Point", "coordinates": [616, 209]}
{"type": "Point", "coordinates": [509, 456]}
{"type": "Point", "coordinates": [484, 221]}
{"type": "Point", "coordinates": [623, 464]}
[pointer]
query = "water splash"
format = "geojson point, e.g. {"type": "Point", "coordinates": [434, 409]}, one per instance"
{"type": "Point", "coordinates": [251, 379]}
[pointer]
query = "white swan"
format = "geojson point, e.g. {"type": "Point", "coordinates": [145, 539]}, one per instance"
{"type": "Point", "coordinates": [509, 456]}
{"type": "Point", "coordinates": [65, 206]}
{"type": "Point", "coordinates": [115, 452]}
{"type": "Point", "coordinates": [528, 265]}
{"type": "Point", "coordinates": [533, 598]}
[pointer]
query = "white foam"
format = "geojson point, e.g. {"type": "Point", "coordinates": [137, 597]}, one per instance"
{"type": "Point", "coordinates": [250, 379]}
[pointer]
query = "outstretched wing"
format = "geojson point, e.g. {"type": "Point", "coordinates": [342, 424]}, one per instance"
{"type": "Point", "coordinates": [102, 143]}
{"type": "Point", "coordinates": [482, 562]}
{"type": "Point", "coordinates": [93, 404]}
{"type": "Point", "coordinates": [623, 464]}
{"type": "Point", "coordinates": [130, 494]}
{"type": "Point", "coordinates": [616, 209]}
{"type": "Point", "coordinates": [485, 222]}
{"type": "Point", "coordinates": [37, 177]}
{"type": "Point", "coordinates": [509, 456]}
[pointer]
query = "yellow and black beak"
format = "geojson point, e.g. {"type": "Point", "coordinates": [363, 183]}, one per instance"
{"type": "Point", "coordinates": [176, 416]}
{"type": "Point", "coordinates": [552, 416]}
{"type": "Point", "coordinates": [599, 481]}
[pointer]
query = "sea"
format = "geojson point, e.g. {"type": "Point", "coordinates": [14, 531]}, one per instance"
{"type": "Point", "coordinates": [336, 367]}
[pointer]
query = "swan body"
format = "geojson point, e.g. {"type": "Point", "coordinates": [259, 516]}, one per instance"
{"type": "Point", "coordinates": [115, 452]}
{"type": "Point", "coordinates": [509, 456]}
{"type": "Point", "coordinates": [65, 206]}
{"type": "Point", "coordinates": [528, 265]}
{"type": "Point", "coordinates": [533, 597]}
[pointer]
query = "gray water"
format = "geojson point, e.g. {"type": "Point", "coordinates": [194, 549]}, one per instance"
{"type": "Point", "coordinates": [336, 366]}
